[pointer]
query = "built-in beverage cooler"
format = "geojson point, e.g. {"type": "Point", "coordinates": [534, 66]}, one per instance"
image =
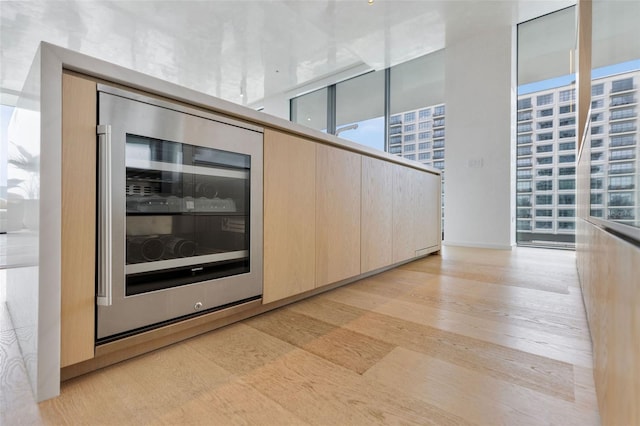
{"type": "Point", "coordinates": [187, 214]}
{"type": "Point", "coordinates": [180, 213]}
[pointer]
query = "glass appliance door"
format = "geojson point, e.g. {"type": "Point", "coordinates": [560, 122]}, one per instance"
{"type": "Point", "coordinates": [187, 214]}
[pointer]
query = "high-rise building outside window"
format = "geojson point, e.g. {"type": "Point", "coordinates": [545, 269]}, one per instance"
{"type": "Point", "coordinates": [410, 116]}
{"type": "Point", "coordinates": [616, 146]}
{"type": "Point", "coordinates": [597, 89]}
{"type": "Point", "coordinates": [567, 95]}
{"type": "Point", "coordinates": [545, 99]}
{"type": "Point", "coordinates": [524, 104]}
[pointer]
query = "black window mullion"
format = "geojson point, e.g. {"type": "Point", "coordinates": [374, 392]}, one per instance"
{"type": "Point", "coordinates": [331, 109]}
{"type": "Point", "coordinates": [387, 107]}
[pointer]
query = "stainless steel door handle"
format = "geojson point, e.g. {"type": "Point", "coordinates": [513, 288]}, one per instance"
{"type": "Point", "coordinates": [104, 216]}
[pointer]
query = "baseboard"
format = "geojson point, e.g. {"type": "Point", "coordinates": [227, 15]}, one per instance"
{"type": "Point", "coordinates": [478, 245]}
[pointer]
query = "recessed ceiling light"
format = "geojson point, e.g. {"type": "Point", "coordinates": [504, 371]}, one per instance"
{"type": "Point", "coordinates": [370, 2]}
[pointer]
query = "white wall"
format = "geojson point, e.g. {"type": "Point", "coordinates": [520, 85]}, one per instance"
{"type": "Point", "coordinates": [480, 93]}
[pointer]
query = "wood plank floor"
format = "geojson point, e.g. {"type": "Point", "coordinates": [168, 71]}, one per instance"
{"type": "Point", "coordinates": [470, 337]}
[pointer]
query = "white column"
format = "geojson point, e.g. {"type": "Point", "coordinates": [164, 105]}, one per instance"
{"type": "Point", "coordinates": [480, 93]}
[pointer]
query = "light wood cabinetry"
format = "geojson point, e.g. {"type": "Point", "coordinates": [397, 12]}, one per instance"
{"type": "Point", "coordinates": [404, 201]}
{"type": "Point", "coordinates": [377, 214]}
{"type": "Point", "coordinates": [289, 215]}
{"type": "Point", "coordinates": [338, 190]}
{"type": "Point", "coordinates": [416, 213]}
{"type": "Point", "coordinates": [323, 226]}
{"type": "Point", "coordinates": [330, 215]}
{"type": "Point", "coordinates": [427, 213]}
{"type": "Point", "coordinates": [78, 219]}
{"type": "Point", "coordinates": [609, 268]}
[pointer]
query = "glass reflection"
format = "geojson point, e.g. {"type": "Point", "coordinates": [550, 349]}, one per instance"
{"type": "Point", "coordinates": [311, 110]}
{"type": "Point", "coordinates": [615, 152]}
{"type": "Point", "coordinates": [360, 109]}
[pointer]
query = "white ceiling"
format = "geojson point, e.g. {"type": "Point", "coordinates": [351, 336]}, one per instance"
{"type": "Point", "coordinates": [243, 51]}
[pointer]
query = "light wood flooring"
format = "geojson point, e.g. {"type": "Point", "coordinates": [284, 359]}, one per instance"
{"type": "Point", "coordinates": [470, 337]}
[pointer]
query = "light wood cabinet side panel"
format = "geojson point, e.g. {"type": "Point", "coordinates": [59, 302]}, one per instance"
{"type": "Point", "coordinates": [421, 215]}
{"type": "Point", "coordinates": [78, 219]}
{"type": "Point", "coordinates": [377, 214]}
{"type": "Point", "coordinates": [435, 207]}
{"type": "Point", "coordinates": [609, 268]}
{"type": "Point", "coordinates": [427, 219]}
{"type": "Point", "coordinates": [289, 215]}
{"type": "Point", "coordinates": [338, 193]}
{"type": "Point", "coordinates": [404, 199]}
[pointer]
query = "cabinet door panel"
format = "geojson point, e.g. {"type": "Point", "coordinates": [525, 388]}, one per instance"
{"type": "Point", "coordinates": [416, 212]}
{"type": "Point", "coordinates": [377, 214]}
{"type": "Point", "coordinates": [404, 212]}
{"type": "Point", "coordinates": [78, 254]}
{"type": "Point", "coordinates": [434, 208]}
{"type": "Point", "coordinates": [338, 191]}
{"type": "Point", "coordinates": [427, 217]}
{"type": "Point", "coordinates": [289, 215]}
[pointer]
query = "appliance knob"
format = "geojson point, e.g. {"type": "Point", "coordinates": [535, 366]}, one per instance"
{"type": "Point", "coordinates": [197, 306]}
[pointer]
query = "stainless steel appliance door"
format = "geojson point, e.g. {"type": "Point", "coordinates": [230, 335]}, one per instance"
{"type": "Point", "coordinates": [129, 114]}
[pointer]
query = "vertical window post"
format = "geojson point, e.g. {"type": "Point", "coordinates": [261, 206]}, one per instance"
{"type": "Point", "coordinates": [331, 109]}
{"type": "Point", "coordinates": [387, 106]}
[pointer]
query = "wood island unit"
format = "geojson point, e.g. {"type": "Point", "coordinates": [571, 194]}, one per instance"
{"type": "Point", "coordinates": [332, 215]}
{"type": "Point", "coordinates": [334, 212]}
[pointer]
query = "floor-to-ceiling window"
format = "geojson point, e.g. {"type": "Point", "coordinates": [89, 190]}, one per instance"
{"type": "Point", "coordinates": [360, 109]}
{"type": "Point", "coordinates": [546, 131]}
{"type": "Point", "coordinates": [546, 122]}
{"type": "Point", "coordinates": [356, 108]}
{"type": "Point", "coordinates": [311, 109]}
{"type": "Point", "coordinates": [417, 121]}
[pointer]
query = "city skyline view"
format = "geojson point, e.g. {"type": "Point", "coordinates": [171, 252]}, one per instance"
{"type": "Point", "coordinates": [368, 131]}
